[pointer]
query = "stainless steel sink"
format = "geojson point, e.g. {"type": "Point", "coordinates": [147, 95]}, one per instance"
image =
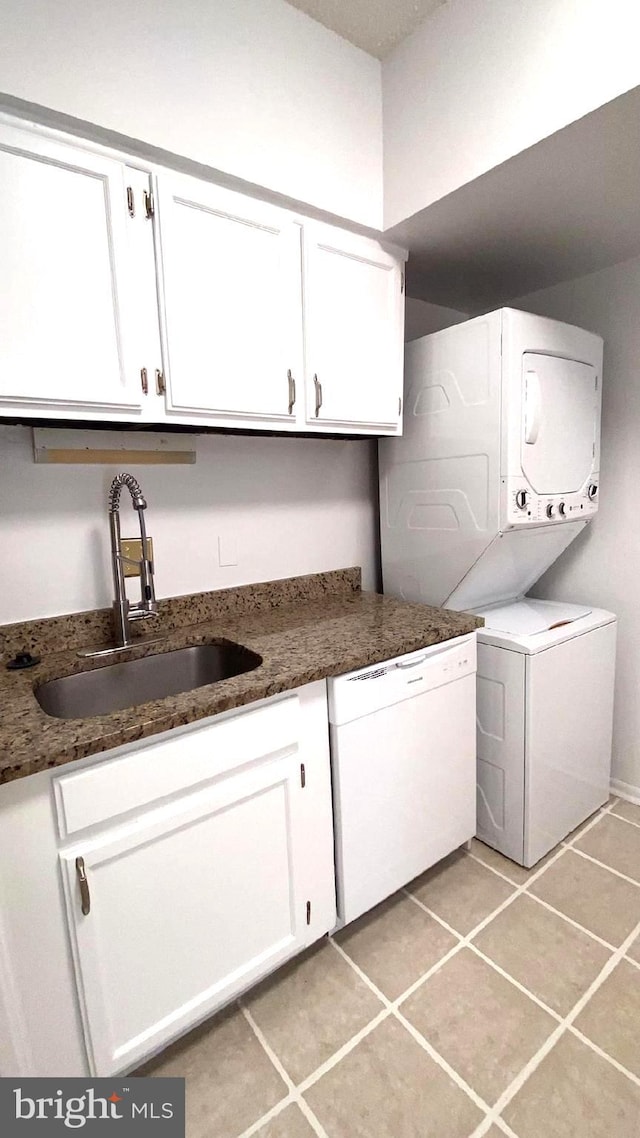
{"type": "Point", "coordinates": [127, 684]}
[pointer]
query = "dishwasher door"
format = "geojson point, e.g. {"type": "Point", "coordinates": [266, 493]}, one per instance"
{"type": "Point", "coordinates": [403, 756]}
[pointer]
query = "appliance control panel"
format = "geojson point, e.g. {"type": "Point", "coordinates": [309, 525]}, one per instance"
{"type": "Point", "coordinates": [523, 507]}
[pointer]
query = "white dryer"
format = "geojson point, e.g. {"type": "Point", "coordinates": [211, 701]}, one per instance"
{"type": "Point", "coordinates": [544, 718]}
{"type": "Point", "coordinates": [497, 469]}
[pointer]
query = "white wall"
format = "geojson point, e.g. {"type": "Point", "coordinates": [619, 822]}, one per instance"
{"type": "Point", "coordinates": [422, 318]}
{"type": "Point", "coordinates": [482, 80]}
{"type": "Point", "coordinates": [289, 505]}
{"type": "Point", "coordinates": [602, 567]}
{"type": "Point", "coordinates": [254, 88]}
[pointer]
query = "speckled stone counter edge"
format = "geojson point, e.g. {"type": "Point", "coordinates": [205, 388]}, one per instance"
{"type": "Point", "coordinates": [303, 630]}
{"type": "Point", "coordinates": [94, 627]}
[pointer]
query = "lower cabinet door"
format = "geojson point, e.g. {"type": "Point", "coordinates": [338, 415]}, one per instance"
{"type": "Point", "coordinates": [176, 912]}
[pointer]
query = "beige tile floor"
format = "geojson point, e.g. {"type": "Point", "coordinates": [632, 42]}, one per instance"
{"type": "Point", "coordinates": [483, 1000]}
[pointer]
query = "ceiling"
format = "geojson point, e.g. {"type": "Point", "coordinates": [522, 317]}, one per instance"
{"type": "Point", "coordinates": [374, 25]}
{"type": "Point", "coordinates": [565, 207]}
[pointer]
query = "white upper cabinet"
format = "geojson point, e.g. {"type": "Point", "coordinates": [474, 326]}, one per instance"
{"type": "Point", "coordinates": [233, 303]}
{"type": "Point", "coordinates": [207, 307]}
{"type": "Point", "coordinates": [354, 323]}
{"type": "Point", "coordinates": [67, 321]}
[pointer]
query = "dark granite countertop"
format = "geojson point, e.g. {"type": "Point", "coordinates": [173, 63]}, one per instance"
{"type": "Point", "coordinates": [304, 628]}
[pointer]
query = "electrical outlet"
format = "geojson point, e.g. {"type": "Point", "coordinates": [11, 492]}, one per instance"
{"type": "Point", "coordinates": [132, 547]}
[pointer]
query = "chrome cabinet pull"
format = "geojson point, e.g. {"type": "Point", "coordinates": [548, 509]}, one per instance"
{"type": "Point", "coordinates": [161, 385]}
{"type": "Point", "coordinates": [85, 897]}
{"type": "Point", "coordinates": [318, 387]}
{"type": "Point", "coordinates": [144, 380]}
{"type": "Point", "coordinates": [292, 391]}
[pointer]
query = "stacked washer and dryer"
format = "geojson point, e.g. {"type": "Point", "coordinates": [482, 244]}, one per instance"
{"type": "Point", "coordinates": [497, 472]}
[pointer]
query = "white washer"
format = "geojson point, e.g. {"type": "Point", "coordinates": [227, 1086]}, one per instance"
{"type": "Point", "coordinates": [544, 717]}
{"type": "Point", "coordinates": [497, 471]}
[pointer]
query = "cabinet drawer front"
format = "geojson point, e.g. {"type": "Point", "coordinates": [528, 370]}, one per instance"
{"type": "Point", "coordinates": [125, 782]}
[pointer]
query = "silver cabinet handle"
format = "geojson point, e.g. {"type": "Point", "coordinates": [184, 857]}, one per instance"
{"type": "Point", "coordinates": [85, 896]}
{"type": "Point", "coordinates": [292, 391]}
{"type": "Point", "coordinates": [318, 387]}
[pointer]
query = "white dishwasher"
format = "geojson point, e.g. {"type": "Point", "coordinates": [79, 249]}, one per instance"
{"type": "Point", "coordinates": [403, 758]}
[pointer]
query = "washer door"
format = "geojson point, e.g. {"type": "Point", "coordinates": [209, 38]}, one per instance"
{"type": "Point", "coordinates": [559, 423]}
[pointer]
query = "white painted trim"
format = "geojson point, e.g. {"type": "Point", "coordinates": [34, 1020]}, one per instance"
{"type": "Point", "coordinates": [626, 790]}
{"type": "Point", "coordinates": [159, 162]}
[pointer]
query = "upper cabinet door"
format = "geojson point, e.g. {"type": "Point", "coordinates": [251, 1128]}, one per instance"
{"type": "Point", "coordinates": [233, 303]}
{"type": "Point", "coordinates": [354, 320]}
{"type": "Point", "coordinates": [65, 280]}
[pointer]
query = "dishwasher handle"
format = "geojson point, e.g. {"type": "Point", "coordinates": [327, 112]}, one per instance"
{"type": "Point", "coordinates": [430, 654]}
{"type": "Point", "coordinates": [393, 681]}
{"type": "Point", "coordinates": [412, 663]}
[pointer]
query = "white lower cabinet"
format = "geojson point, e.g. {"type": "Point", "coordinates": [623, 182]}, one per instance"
{"type": "Point", "coordinates": [175, 907]}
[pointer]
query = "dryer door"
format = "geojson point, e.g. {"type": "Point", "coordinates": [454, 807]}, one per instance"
{"type": "Point", "coordinates": [559, 423]}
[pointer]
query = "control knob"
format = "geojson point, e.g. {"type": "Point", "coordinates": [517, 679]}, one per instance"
{"type": "Point", "coordinates": [521, 499]}
{"type": "Point", "coordinates": [592, 491]}
{"type": "Point", "coordinates": [562, 509]}
{"type": "Point", "coordinates": [551, 510]}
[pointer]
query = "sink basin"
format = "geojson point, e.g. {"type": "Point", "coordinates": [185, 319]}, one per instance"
{"type": "Point", "coordinates": [122, 685]}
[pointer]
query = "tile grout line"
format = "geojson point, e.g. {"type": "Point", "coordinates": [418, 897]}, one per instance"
{"type": "Point", "coordinates": [464, 937]}
{"type": "Point", "coordinates": [516, 983]}
{"type": "Point", "coordinates": [518, 890]}
{"type": "Point", "coordinates": [392, 1008]}
{"type": "Point", "coordinates": [293, 1096]}
{"type": "Point", "coordinates": [533, 874]}
{"type": "Point", "coordinates": [603, 865]}
{"type": "Point", "coordinates": [264, 1119]}
{"type": "Point", "coordinates": [562, 847]}
{"type": "Point", "coordinates": [523, 887]}
{"type": "Point", "coordinates": [465, 941]}
{"type": "Point", "coordinates": [617, 954]}
{"type": "Point", "coordinates": [604, 1054]}
{"type": "Point", "coordinates": [523, 890]}
{"type": "Point", "coordinates": [441, 1062]}
{"type": "Point", "coordinates": [343, 1051]}
{"type": "Point", "coordinates": [629, 821]}
{"type": "Point", "coordinates": [529, 1068]}
{"type": "Point", "coordinates": [570, 921]}
{"type": "Point", "coordinates": [484, 1127]}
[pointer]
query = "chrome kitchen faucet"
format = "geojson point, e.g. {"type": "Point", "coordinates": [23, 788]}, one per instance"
{"type": "Point", "coordinates": [123, 610]}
